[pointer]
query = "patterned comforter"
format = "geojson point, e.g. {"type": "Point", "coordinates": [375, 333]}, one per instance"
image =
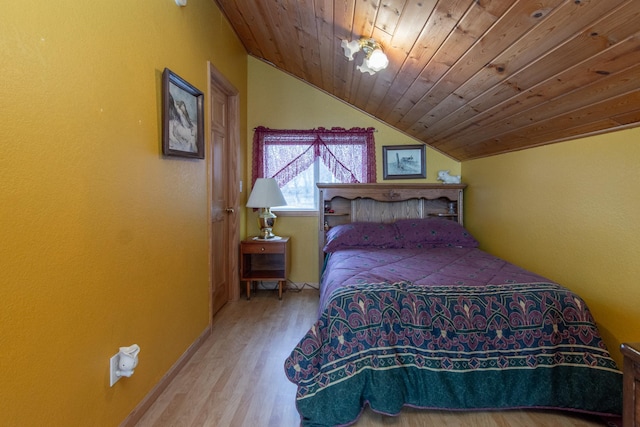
{"type": "Point", "coordinates": [447, 328]}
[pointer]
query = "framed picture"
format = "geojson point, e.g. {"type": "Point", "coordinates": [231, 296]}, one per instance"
{"type": "Point", "coordinates": [182, 117]}
{"type": "Point", "coordinates": [404, 161]}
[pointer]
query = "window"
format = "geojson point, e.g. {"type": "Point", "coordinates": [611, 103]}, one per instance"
{"type": "Point", "coordinates": [301, 191]}
{"type": "Point", "coordinates": [298, 159]}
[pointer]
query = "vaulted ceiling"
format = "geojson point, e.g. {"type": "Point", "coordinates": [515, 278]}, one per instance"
{"type": "Point", "coordinates": [470, 78]}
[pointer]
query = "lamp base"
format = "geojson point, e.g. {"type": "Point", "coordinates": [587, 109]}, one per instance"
{"type": "Point", "coordinates": [266, 221]}
{"type": "Point", "coordinates": [266, 234]}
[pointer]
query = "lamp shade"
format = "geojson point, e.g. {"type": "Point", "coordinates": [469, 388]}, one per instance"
{"type": "Point", "coordinates": [350, 48]}
{"type": "Point", "coordinates": [266, 194]}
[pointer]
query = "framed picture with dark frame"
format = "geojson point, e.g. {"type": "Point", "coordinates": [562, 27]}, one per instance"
{"type": "Point", "coordinates": [182, 117]}
{"type": "Point", "coordinates": [404, 161]}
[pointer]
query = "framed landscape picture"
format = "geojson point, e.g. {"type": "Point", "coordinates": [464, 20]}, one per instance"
{"type": "Point", "coordinates": [404, 161]}
{"type": "Point", "coordinates": [182, 117]}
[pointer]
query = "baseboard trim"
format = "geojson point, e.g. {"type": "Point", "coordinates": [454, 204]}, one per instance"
{"type": "Point", "coordinates": [164, 382]}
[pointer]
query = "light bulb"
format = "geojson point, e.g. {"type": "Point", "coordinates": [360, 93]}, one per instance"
{"type": "Point", "coordinates": [377, 60]}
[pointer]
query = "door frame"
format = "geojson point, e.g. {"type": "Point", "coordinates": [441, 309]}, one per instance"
{"type": "Point", "coordinates": [217, 81]}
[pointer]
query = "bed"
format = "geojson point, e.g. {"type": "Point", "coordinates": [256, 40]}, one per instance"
{"type": "Point", "coordinates": [413, 313]}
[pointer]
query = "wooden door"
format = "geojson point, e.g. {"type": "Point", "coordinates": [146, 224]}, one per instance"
{"type": "Point", "coordinates": [224, 191]}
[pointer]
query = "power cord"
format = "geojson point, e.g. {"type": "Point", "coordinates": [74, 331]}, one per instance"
{"type": "Point", "coordinates": [290, 286]}
{"type": "Point", "coordinates": [295, 287]}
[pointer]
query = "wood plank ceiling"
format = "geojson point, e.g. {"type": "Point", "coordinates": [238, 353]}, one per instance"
{"type": "Point", "coordinates": [470, 78]}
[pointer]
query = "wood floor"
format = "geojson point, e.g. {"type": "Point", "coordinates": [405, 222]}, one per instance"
{"type": "Point", "coordinates": [237, 378]}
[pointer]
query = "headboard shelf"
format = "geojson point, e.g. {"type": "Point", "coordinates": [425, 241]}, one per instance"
{"type": "Point", "coordinates": [345, 203]}
{"type": "Point", "coordinates": [390, 192]}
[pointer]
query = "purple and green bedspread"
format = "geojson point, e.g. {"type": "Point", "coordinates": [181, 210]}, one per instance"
{"type": "Point", "coordinates": [455, 347]}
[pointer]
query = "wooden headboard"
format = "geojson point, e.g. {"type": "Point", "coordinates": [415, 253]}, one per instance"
{"type": "Point", "coordinates": [344, 203]}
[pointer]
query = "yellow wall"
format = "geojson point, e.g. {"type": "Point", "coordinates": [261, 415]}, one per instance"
{"type": "Point", "coordinates": [104, 242]}
{"type": "Point", "coordinates": [568, 211]}
{"type": "Point", "coordinates": [280, 101]}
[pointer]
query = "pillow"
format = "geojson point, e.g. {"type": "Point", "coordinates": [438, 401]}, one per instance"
{"type": "Point", "coordinates": [434, 232]}
{"type": "Point", "coordinates": [362, 234]}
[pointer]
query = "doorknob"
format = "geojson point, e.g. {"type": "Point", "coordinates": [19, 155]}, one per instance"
{"type": "Point", "coordinates": [230, 210]}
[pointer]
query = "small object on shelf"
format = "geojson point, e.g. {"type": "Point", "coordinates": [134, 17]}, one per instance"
{"type": "Point", "coordinates": [448, 179]}
{"type": "Point", "coordinates": [332, 211]}
{"type": "Point", "coordinates": [451, 208]}
{"type": "Point", "coordinates": [445, 215]}
{"type": "Point", "coordinates": [326, 226]}
{"type": "Point", "coordinates": [327, 206]}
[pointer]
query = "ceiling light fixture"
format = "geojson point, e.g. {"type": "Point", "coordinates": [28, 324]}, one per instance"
{"type": "Point", "coordinates": [375, 58]}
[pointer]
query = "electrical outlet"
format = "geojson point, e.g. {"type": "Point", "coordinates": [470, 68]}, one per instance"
{"type": "Point", "coordinates": [113, 368]}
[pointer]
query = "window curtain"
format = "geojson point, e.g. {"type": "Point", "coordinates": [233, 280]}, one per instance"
{"type": "Point", "coordinates": [349, 154]}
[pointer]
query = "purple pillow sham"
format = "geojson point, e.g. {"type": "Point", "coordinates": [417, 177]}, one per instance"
{"type": "Point", "coordinates": [434, 232]}
{"type": "Point", "coordinates": [362, 234]}
{"type": "Point", "coordinates": [406, 233]}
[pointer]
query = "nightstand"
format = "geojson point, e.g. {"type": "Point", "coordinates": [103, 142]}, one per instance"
{"type": "Point", "coordinates": [631, 389]}
{"type": "Point", "coordinates": [264, 260]}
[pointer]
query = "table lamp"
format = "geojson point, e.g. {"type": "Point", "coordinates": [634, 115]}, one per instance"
{"type": "Point", "coordinates": [265, 195]}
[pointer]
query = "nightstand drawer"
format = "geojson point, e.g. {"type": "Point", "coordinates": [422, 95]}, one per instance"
{"type": "Point", "coordinates": [263, 248]}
